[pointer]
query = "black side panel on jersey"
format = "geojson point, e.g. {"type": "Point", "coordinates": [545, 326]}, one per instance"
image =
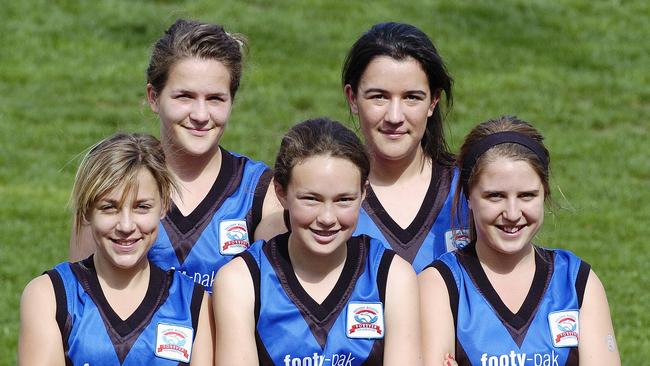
{"type": "Point", "coordinates": [382, 273]}
{"type": "Point", "coordinates": [376, 355]}
{"type": "Point", "coordinates": [581, 281]}
{"type": "Point", "coordinates": [63, 319]}
{"type": "Point", "coordinates": [254, 270]}
{"type": "Point", "coordinates": [255, 215]}
{"type": "Point", "coordinates": [452, 290]}
{"type": "Point", "coordinates": [195, 305]}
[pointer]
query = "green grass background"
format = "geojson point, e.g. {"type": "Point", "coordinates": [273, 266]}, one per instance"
{"type": "Point", "coordinates": [72, 72]}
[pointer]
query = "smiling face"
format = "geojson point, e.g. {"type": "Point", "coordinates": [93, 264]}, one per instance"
{"type": "Point", "coordinates": [507, 204]}
{"type": "Point", "coordinates": [393, 102]}
{"type": "Point", "coordinates": [323, 198]}
{"type": "Point", "coordinates": [194, 105]}
{"type": "Point", "coordinates": [124, 233]}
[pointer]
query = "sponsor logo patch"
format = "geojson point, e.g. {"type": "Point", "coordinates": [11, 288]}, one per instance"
{"type": "Point", "coordinates": [365, 320]}
{"type": "Point", "coordinates": [565, 330]}
{"type": "Point", "coordinates": [456, 239]}
{"type": "Point", "coordinates": [233, 237]}
{"type": "Point", "coordinates": [174, 342]}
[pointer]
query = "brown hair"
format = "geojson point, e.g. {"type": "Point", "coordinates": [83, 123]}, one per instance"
{"type": "Point", "coordinates": [509, 150]}
{"type": "Point", "coordinates": [115, 162]}
{"type": "Point", "coordinates": [187, 39]}
{"type": "Point", "coordinates": [320, 136]}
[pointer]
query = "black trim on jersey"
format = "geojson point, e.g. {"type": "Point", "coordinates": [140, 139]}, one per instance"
{"type": "Point", "coordinates": [452, 289]}
{"type": "Point", "coordinates": [319, 317]}
{"type": "Point", "coordinates": [195, 306]}
{"type": "Point", "coordinates": [581, 281]}
{"type": "Point", "coordinates": [263, 356]}
{"type": "Point", "coordinates": [184, 231]}
{"type": "Point", "coordinates": [376, 355]}
{"type": "Point", "coordinates": [516, 324]}
{"type": "Point", "coordinates": [407, 242]}
{"type": "Point", "coordinates": [126, 332]}
{"type": "Point", "coordinates": [461, 356]}
{"type": "Point", "coordinates": [255, 214]}
{"type": "Point", "coordinates": [573, 358]}
{"type": "Point", "coordinates": [63, 318]}
{"type": "Point", "coordinates": [254, 270]}
{"type": "Point", "coordinates": [382, 273]}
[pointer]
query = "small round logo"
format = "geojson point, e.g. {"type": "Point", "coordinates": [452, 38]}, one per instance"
{"type": "Point", "coordinates": [460, 238]}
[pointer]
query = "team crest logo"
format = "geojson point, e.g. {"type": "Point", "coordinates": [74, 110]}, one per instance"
{"type": "Point", "coordinates": [456, 239]}
{"type": "Point", "coordinates": [365, 320]}
{"type": "Point", "coordinates": [565, 329]}
{"type": "Point", "coordinates": [174, 342]}
{"type": "Point", "coordinates": [233, 237]}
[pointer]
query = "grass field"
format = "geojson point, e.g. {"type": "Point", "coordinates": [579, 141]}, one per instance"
{"type": "Point", "coordinates": [72, 72]}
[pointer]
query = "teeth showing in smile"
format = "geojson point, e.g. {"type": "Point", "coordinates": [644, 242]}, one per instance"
{"type": "Point", "coordinates": [324, 232]}
{"type": "Point", "coordinates": [125, 242]}
{"type": "Point", "coordinates": [511, 229]}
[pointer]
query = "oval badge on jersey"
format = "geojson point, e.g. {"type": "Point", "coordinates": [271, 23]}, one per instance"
{"type": "Point", "coordinates": [365, 320]}
{"type": "Point", "coordinates": [174, 342]}
{"type": "Point", "coordinates": [565, 329]}
{"type": "Point", "coordinates": [233, 237]}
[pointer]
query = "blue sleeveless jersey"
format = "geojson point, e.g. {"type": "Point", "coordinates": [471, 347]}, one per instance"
{"type": "Point", "coordinates": [160, 332]}
{"type": "Point", "coordinates": [221, 226]}
{"type": "Point", "coordinates": [545, 331]}
{"type": "Point", "coordinates": [293, 329]}
{"type": "Point", "coordinates": [432, 232]}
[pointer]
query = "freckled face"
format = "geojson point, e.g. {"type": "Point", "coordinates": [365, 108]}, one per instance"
{"type": "Point", "coordinates": [393, 102]}
{"type": "Point", "coordinates": [194, 105]}
{"type": "Point", "coordinates": [123, 235]}
{"type": "Point", "coordinates": [323, 198]}
{"type": "Point", "coordinates": [507, 205]}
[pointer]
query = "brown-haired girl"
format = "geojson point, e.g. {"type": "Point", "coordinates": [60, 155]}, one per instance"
{"type": "Point", "coordinates": [502, 300]}
{"type": "Point", "coordinates": [317, 295]}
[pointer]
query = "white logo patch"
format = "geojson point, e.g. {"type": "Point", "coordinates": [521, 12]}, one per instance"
{"type": "Point", "coordinates": [174, 342]}
{"type": "Point", "coordinates": [456, 239]}
{"type": "Point", "coordinates": [565, 329]}
{"type": "Point", "coordinates": [233, 237]}
{"type": "Point", "coordinates": [365, 320]}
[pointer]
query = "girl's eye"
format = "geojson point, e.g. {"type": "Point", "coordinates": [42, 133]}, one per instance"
{"type": "Point", "coordinates": [413, 97]}
{"type": "Point", "coordinates": [528, 195]}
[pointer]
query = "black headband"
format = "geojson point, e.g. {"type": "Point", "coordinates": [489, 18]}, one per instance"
{"type": "Point", "coordinates": [494, 139]}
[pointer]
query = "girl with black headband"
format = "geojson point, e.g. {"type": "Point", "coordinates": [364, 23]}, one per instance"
{"type": "Point", "coordinates": [502, 300]}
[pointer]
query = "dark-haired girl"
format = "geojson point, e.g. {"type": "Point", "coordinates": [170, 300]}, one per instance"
{"type": "Point", "coordinates": [394, 81]}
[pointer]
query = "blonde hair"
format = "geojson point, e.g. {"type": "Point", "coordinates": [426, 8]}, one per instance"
{"type": "Point", "coordinates": [115, 162]}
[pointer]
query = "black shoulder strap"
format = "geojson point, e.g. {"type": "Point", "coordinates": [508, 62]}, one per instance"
{"type": "Point", "coordinates": [581, 281]}
{"type": "Point", "coordinates": [452, 290]}
{"type": "Point", "coordinates": [254, 270]}
{"type": "Point", "coordinates": [63, 319]}
{"type": "Point", "coordinates": [195, 305]}
{"type": "Point", "coordinates": [382, 273]}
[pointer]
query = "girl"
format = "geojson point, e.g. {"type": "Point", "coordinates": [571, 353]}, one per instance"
{"type": "Point", "coordinates": [317, 295]}
{"type": "Point", "coordinates": [192, 80]}
{"type": "Point", "coordinates": [394, 80]}
{"type": "Point", "coordinates": [502, 300]}
{"type": "Point", "coordinates": [115, 307]}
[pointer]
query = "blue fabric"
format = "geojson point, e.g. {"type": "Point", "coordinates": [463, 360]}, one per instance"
{"type": "Point", "coordinates": [205, 259]}
{"type": "Point", "coordinates": [286, 335]}
{"type": "Point", "coordinates": [89, 341]}
{"type": "Point", "coordinates": [484, 337]}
